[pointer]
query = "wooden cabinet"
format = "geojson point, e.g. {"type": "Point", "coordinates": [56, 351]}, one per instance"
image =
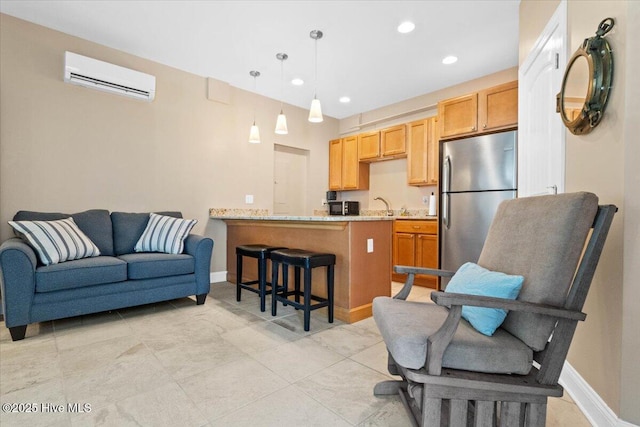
{"type": "Point", "coordinates": [488, 110]}
{"type": "Point", "coordinates": [422, 152]}
{"type": "Point", "coordinates": [335, 164]}
{"type": "Point", "coordinates": [369, 146]}
{"type": "Point", "coordinates": [393, 141]}
{"type": "Point", "coordinates": [458, 116]}
{"type": "Point", "coordinates": [415, 243]}
{"type": "Point", "coordinates": [345, 171]}
{"type": "Point", "coordinates": [389, 143]}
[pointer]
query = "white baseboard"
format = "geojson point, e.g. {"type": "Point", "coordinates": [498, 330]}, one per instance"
{"type": "Point", "coordinates": [590, 403]}
{"type": "Point", "coordinates": [217, 276]}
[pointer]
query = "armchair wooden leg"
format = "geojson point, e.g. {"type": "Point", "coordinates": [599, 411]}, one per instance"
{"type": "Point", "coordinates": [200, 299]}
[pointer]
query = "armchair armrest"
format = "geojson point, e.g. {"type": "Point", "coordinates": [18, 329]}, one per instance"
{"type": "Point", "coordinates": [405, 269]}
{"type": "Point", "coordinates": [449, 299]}
{"type": "Point", "coordinates": [18, 264]}
{"type": "Point", "coordinates": [411, 272]}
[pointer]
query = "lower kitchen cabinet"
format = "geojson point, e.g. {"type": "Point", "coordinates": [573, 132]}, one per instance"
{"type": "Point", "coordinates": [415, 243]}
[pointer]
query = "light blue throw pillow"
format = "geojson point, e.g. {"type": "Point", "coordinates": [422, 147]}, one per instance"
{"type": "Point", "coordinates": [472, 279]}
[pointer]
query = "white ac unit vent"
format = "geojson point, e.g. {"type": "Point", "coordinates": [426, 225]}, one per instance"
{"type": "Point", "coordinates": [89, 72]}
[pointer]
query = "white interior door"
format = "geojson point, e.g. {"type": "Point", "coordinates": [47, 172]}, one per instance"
{"type": "Point", "coordinates": [290, 180]}
{"type": "Point", "coordinates": [541, 133]}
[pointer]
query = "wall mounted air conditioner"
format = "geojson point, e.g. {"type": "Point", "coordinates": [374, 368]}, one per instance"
{"type": "Point", "coordinates": [89, 72]}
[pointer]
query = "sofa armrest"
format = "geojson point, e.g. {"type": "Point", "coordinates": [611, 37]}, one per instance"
{"type": "Point", "coordinates": [200, 248]}
{"type": "Point", "coordinates": [18, 263]}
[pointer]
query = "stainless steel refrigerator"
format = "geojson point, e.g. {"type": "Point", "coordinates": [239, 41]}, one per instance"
{"type": "Point", "coordinates": [476, 175]}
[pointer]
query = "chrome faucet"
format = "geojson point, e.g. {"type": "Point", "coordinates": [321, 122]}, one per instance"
{"type": "Point", "coordinates": [389, 211]}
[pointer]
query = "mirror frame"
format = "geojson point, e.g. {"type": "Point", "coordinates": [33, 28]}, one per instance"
{"type": "Point", "coordinates": [597, 52]}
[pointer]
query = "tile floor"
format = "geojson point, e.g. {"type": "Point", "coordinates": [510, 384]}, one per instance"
{"type": "Point", "coordinates": [220, 364]}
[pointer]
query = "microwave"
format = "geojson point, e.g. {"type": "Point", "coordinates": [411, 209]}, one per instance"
{"type": "Point", "coordinates": [344, 207]}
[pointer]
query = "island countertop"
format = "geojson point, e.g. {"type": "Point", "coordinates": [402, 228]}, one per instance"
{"type": "Point", "coordinates": [263, 215]}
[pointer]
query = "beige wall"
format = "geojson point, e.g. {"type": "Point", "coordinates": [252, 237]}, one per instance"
{"type": "Point", "coordinates": [388, 179]}
{"type": "Point", "coordinates": [65, 148]}
{"type": "Point", "coordinates": [630, 381]}
{"type": "Point", "coordinates": [606, 346]}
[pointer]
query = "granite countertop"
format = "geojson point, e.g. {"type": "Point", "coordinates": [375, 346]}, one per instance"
{"type": "Point", "coordinates": [263, 215]}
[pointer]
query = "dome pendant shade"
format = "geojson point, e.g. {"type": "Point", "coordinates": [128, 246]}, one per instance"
{"type": "Point", "coordinates": [254, 134]}
{"type": "Point", "coordinates": [315, 112]}
{"type": "Point", "coordinates": [281, 124]}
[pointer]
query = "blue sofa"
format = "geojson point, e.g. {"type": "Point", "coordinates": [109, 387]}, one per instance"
{"type": "Point", "coordinates": [118, 278]}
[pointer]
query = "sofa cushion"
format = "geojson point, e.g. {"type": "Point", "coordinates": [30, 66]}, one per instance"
{"type": "Point", "coordinates": [149, 265]}
{"type": "Point", "coordinates": [56, 241]}
{"type": "Point", "coordinates": [406, 326]}
{"type": "Point", "coordinates": [128, 227]}
{"type": "Point", "coordinates": [164, 234]}
{"type": "Point", "coordinates": [80, 273]}
{"type": "Point", "coordinates": [95, 223]}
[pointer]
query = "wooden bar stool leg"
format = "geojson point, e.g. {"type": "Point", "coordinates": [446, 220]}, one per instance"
{"type": "Point", "coordinates": [274, 287]}
{"type": "Point", "coordinates": [285, 281]}
{"type": "Point", "coordinates": [297, 284]}
{"type": "Point", "coordinates": [262, 282]}
{"type": "Point", "coordinates": [239, 276]}
{"type": "Point", "coordinates": [307, 298]}
{"type": "Point", "coordinates": [330, 291]}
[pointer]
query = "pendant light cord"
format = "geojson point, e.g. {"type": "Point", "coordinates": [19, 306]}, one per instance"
{"type": "Point", "coordinates": [281, 84]}
{"type": "Point", "coordinates": [315, 77]}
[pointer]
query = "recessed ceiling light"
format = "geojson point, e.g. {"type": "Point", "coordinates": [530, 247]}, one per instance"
{"type": "Point", "coordinates": [345, 99]}
{"type": "Point", "coordinates": [406, 27]}
{"type": "Point", "coordinates": [297, 82]}
{"type": "Point", "coordinates": [450, 59]}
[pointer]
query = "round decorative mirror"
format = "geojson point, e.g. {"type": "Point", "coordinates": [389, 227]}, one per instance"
{"type": "Point", "coordinates": [586, 83]}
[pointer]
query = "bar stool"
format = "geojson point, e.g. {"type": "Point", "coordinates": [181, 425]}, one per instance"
{"type": "Point", "coordinates": [261, 253]}
{"type": "Point", "coordinates": [307, 260]}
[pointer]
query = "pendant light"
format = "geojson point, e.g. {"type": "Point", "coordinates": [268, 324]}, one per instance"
{"type": "Point", "coordinates": [315, 112]}
{"type": "Point", "coordinates": [281, 124]}
{"type": "Point", "coordinates": [254, 133]}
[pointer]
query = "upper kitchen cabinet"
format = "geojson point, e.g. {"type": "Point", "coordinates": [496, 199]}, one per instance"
{"type": "Point", "coordinates": [422, 152]}
{"type": "Point", "coordinates": [488, 110]}
{"type": "Point", "coordinates": [335, 164]}
{"type": "Point", "coordinates": [393, 141]}
{"type": "Point", "coordinates": [369, 146]}
{"type": "Point", "coordinates": [389, 143]}
{"type": "Point", "coordinates": [345, 170]}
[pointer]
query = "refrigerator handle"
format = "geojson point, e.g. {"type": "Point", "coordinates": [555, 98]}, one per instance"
{"type": "Point", "coordinates": [446, 174]}
{"type": "Point", "coordinates": [446, 177]}
{"type": "Point", "coordinates": [445, 210]}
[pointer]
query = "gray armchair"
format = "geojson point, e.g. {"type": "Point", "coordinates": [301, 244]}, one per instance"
{"type": "Point", "coordinates": [454, 375]}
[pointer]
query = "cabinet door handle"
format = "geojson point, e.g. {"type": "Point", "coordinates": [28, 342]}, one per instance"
{"type": "Point", "coordinates": [473, 128]}
{"type": "Point", "coordinates": [484, 126]}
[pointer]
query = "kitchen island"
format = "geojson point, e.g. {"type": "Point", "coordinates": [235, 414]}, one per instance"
{"type": "Point", "coordinates": [362, 245]}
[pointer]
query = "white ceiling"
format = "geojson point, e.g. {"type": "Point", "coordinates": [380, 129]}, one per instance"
{"type": "Point", "coordinates": [361, 55]}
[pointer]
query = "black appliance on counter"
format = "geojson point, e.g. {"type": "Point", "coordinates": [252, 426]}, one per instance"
{"type": "Point", "coordinates": [344, 207]}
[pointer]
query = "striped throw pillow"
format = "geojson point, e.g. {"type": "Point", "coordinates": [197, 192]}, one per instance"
{"type": "Point", "coordinates": [56, 241]}
{"type": "Point", "coordinates": [164, 234]}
